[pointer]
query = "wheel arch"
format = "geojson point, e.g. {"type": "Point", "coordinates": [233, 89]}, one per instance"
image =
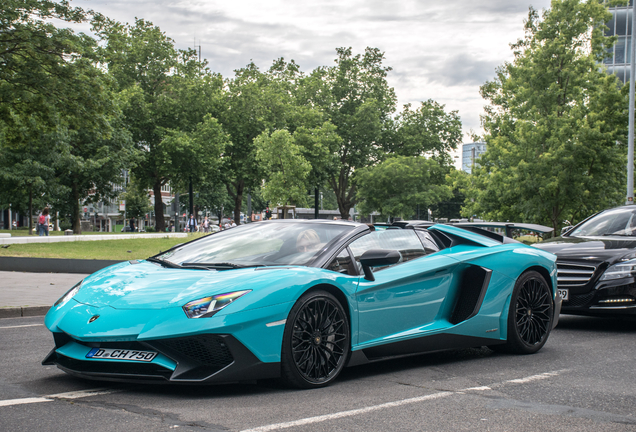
{"type": "Point", "coordinates": [543, 272]}
{"type": "Point", "coordinates": [337, 293]}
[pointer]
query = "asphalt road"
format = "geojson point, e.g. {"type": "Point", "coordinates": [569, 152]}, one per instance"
{"type": "Point", "coordinates": [584, 379]}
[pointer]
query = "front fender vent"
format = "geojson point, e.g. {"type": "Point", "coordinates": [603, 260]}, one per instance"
{"type": "Point", "coordinates": [473, 284]}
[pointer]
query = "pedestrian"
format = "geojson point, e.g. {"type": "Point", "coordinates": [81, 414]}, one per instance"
{"type": "Point", "coordinates": [43, 222]}
{"type": "Point", "coordinates": [192, 224]}
{"type": "Point", "coordinates": [227, 225]}
{"type": "Point", "coordinates": [132, 225]}
{"type": "Point", "coordinates": [232, 224]}
{"type": "Point", "coordinates": [206, 225]}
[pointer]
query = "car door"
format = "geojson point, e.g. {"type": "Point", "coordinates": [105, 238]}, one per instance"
{"type": "Point", "coordinates": [405, 299]}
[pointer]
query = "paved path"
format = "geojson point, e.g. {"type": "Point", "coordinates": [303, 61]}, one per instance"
{"type": "Point", "coordinates": [28, 294]}
{"type": "Point", "coordinates": [65, 238]}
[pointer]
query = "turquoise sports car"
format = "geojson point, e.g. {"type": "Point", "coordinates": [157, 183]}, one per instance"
{"type": "Point", "coordinates": [301, 300]}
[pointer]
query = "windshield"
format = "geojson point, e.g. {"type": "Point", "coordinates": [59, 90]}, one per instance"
{"type": "Point", "coordinates": [615, 222]}
{"type": "Point", "coordinates": [255, 244]}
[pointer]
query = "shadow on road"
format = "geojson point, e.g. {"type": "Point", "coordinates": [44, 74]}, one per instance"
{"type": "Point", "coordinates": [598, 324]}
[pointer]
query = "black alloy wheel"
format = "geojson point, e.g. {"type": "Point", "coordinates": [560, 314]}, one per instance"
{"type": "Point", "coordinates": [316, 341]}
{"type": "Point", "coordinates": [530, 315]}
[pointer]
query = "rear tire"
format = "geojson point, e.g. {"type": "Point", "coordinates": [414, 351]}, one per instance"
{"type": "Point", "coordinates": [530, 315]}
{"type": "Point", "coordinates": [316, 341]}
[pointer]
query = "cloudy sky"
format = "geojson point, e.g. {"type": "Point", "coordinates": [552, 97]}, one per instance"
{"type": "Point", "coordinates": [440, 50]}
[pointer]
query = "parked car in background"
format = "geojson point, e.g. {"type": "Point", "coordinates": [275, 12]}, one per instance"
{"type": "Point", "coordinates": [596, 262]}
{"type": "Point", "coordinates": [301, 300]}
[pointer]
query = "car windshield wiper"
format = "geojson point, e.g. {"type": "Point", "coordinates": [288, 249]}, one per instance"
{"type": "Point", "coordinates": [163, 262]}
{"type": "Point", "coordinates": [619, 235]}
{"type": "Point", "coordinates": [218, 266]}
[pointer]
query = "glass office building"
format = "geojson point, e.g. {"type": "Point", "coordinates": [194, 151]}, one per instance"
{"type": "Point", "coordinates": [470, 154]}
{"type": "Point", "coordinates": [621, 26]}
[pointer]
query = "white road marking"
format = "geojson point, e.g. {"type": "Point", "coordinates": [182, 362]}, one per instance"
{"type": "Point", "coordinates": [83, 393]}
{"type": "Point", "coordinates": [483, 388]}
{"type": "Point", "coordinates": [534, 377]}
{"type": "Point", "coordinates": [50, 398]}
{"type": "Point", "coordinates": [23, 401]}
{"type": "Point", "coordinates": [349, 413]}
{"type": "Point", "coordinates": [26, 325]}
{"type": "Point", "coordinates": [439, 395]}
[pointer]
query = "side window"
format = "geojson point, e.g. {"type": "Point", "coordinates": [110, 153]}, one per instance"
{"type": "Point", "coordinates": [342, 264]}
{"type": "Point", "coordinates": [427, 240]}
{"type": "Point", "coordinates": [405, 241]}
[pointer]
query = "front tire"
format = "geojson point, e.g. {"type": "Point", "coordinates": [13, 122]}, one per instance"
{"type": "Point", "coordinates": [530, 315]}
{"type": "Point", "coordinates": [316, 341]}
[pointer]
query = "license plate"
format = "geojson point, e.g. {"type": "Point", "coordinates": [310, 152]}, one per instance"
{"type": "Point", "coordinates": [564, 293]}
{"type": "Point", "coordinates": [121, 354]}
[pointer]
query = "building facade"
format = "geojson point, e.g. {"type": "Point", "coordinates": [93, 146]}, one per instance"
{"type": "Point", "coordinates": [470, 154]}
{"type": "Point", "coordinates": [618, 60]}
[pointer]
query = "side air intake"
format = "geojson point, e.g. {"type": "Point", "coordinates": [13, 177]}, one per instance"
{"type": "Point", "coordinates": [472, 289]}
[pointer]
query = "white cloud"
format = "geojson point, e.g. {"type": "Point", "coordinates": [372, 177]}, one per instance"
{"type": "Point", "coordinates": [441, 50]}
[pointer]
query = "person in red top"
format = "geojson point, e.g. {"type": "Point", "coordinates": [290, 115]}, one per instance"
{"type": "Point", "coordinates": [43, 222]}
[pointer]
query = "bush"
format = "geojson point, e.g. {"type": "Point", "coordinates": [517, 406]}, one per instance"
{"type": "Point", "coordinates": [150, 229]}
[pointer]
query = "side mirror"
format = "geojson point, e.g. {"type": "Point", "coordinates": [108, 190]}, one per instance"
{"type": "Point", "coordinates": [378, 258]}
{"type": "Point", "coordinates": [566, 229]}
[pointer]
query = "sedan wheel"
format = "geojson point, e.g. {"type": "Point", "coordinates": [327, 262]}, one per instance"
{"type": "Point", "coordinates": [316, 341]}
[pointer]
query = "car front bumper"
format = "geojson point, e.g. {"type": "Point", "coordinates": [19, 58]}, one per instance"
{"type": "Point", "coordinates": [199, 359]}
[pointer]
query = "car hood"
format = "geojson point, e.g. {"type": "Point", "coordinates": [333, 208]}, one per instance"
{"type": "Point", "coordinates": [150, 286]}
{"type": "Point", "coordinates": [597, 249]}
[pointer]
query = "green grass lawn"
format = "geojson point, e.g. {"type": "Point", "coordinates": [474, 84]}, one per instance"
{"type": "Point", "coordinates": [125, 249]}
{"type": "Point", "coordinates": [24, 233]}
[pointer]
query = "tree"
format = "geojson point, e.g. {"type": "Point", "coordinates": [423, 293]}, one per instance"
{"type": "Point", "coordinates": [137, 201]}
{"type": "Point", "coordinates": [254, 102]}
{"type": "Point", "coordinates": [356, 98]}
{"type": "Point", "coordinates": [172, 100]}
{"type": "Point", "coordinates": [555, 123]}
{"type": "Point", "coordinates": [285, 166]}
{"type": "Point", "coordinates": [427, 130]}
{"type": "Point", "coordinates": [399, 184]}
{"type": "Point", "coordinates": [52, 99]}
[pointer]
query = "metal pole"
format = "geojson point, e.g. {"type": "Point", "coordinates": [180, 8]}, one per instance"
{"type": "Point", "coordinates": [191, 198]}
{"type": "Point", "coordinates": [630, 137]}
{"type": "Point", "coordinates": [316, 199]}
{"type": "Point", "coordinates": [248, 218]}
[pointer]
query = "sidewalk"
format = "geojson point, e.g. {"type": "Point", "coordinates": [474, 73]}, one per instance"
{"type": "Point", "coordinates": [31, 294]}
{"type": "Point", "coordinates": [70, 238]}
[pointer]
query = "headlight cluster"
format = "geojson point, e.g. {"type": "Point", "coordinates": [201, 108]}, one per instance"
{"type": "Point", "coordinates": [208, 306]}
{"type": "Point", "coordinates": [620, 270]}
{"type": "Point", "coordinates": [69, 294]}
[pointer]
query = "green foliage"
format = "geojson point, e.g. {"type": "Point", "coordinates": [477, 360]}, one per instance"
{"type": "Point", "coordinates": [285, 166]}
{"type": "Point", "coordinates": [396, 186]}
{"type": "Point", "coordinates": [451, 208]}
{"type": "Point", "coordinates": [355, 97]}
{"type": "Point", "coordinates": [137, 201]}
{"type": "Point", "coordinates": [427, 130]}
{"type": "Point", "coordinates": [555, 123]}
{"type": "Point", "coordinates": [171, 99]}
{"type": "Point", "coordinates": [59, 131]}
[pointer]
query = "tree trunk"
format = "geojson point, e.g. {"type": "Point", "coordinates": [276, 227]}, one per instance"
{"type": "Point", "coordinates": [159, 219]}
{"type": "Point", "coordinates": [30, 209]}
{"type": "Point", "coordinates": [238, 200]}
{"type": "Point", "coordinates": [77, 226]}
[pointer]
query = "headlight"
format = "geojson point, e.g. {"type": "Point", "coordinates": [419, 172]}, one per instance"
{"type": "Point", "coordinates": [208, 306]}
{"type": "Point", "coordinates": [620, 270]}
{"type": "Point", "coordinates": [69, 294]}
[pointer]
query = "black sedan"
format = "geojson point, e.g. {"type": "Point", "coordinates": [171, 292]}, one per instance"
{"type": "Point", "coordinates": [596, 262]}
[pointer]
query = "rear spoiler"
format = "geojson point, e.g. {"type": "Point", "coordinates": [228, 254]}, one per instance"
{"type": "Point", "coordinates": [507, 226]}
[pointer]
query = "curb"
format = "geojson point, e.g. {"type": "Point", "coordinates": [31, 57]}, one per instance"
{"type": "Point", "coordinates": [23, 311]}
{"type": "Point", "coordinates": [53, 265]}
